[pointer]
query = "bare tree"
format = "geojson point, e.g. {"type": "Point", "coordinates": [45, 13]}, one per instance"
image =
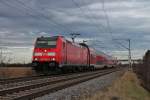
{"type": "Point", "coordinates": [4, 56]}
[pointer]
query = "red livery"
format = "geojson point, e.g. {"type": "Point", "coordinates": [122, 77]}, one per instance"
{"type": "Point", "coordinates": [58, 53]}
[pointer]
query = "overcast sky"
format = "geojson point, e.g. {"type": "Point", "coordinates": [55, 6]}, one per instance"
{"type": "Point", "coordinates": [21, 21]}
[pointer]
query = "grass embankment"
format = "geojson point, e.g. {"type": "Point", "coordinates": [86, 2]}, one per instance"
{"type": "Point", "coordinates": [125, 88]}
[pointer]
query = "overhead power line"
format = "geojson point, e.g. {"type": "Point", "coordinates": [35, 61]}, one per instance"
{"type": "Point", "coordinates": [109, 26]}
{"type": "Point", "coordinates": [94, 18]}
{"type": "Point", "coordinates": [107, 18]}
{"type": "Point", "coordinates": [43, 15]}
{"type": "Point", "coordinates": [127, 48]}
{"type": "Point", "coordinates": [89, 17]}
{"type": "Point", "coordinates": [40, 14]}
{"type": "Point", "coordinates": [7, 3]}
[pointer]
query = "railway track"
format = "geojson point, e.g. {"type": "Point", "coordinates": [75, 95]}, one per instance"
{"type": "Point", "coordinates": [35, 77]}
{"type": "Point", "coordinates": [35, 88]}
{"type": "Point", "coordinates": [29, 78]}
{"type": "Point", "coordinates": [13, 80]}
{"type": "Point", "coordinates": [20, 79]}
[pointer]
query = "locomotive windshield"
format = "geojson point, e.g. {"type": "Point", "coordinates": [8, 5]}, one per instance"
{"type": "Point", "coordinates": [46, 42]}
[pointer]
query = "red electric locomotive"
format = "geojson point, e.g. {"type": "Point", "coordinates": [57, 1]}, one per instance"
{"type": "Point", "coordinates": [58, 53]}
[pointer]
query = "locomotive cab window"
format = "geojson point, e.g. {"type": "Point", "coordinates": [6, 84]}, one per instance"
{"type": "Point", "coordinates": [46, 42]}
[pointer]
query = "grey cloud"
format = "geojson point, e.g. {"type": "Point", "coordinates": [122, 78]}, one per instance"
{"type": "Point", "coordinates": [22, 21]}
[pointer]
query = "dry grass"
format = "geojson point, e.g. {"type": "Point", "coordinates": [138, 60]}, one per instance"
{"type": "Point", "coordinates": [11, 72]}
{"type": "Point", "coordinates": [125, 88]}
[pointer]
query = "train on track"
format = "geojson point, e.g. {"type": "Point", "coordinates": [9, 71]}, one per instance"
{"type": "Point", "coordinates": [56, 52]}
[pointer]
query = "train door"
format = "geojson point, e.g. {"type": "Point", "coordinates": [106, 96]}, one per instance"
{"type": "Point", "coordinates": [64, 53]}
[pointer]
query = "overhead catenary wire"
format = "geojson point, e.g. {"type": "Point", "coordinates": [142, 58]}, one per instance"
{"type": "Point", "coordinates": [93, 17]}
{"type": "Point", "coordinates": [89, 17]}
{"type": "Point", "coordinates": [110, 31]}
{"type": "Point", "coordinates": [108, 23]}
{"type": "Point", "coordinates": [107, 19]}
{"type": "Point", "coordinates": [44, 15]}
{"type": "Point", "coordinates": [106, 16]}
{"type": "Point", "coordinates": [30, 13]}
{"type": "Point", "coordinates": [21, 11]}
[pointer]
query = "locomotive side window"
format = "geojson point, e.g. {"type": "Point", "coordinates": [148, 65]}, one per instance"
{"type": "Point", "coordinates": [63, 45]}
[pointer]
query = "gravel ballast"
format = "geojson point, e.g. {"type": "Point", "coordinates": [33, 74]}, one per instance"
{"type": "Point", "coordinates": [84, 89]}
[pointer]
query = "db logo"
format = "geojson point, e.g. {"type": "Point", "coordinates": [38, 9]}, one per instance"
{"type": "Point", "coordinates": [44, 54]}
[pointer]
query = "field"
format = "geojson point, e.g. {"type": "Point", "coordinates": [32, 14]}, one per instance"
{"type": "Point", "coordinates": [126, 88]}
{"type": "Point", "coordinates": [12, 72]}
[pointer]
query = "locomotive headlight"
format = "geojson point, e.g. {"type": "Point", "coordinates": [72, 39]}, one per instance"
{"type": "Point", "coordinates": [51, 53]}
{"type": "Point", "coordinates": [35, 59]}
{"type": "Point", "coordinates": [53, 59]}
{"type": "Point", "coordinates": [37, 54]}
